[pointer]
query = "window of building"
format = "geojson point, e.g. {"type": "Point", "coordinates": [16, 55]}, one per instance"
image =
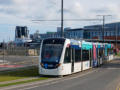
{"type": "Point", "coordinates": [95, 33]}
{"type": "Point", "coordinates": [92, 34]}
{"type": "Point", "coordinates": [109, 33]}
{"type": "Point", "coordinates": [112, 33]}
{"type": "Point", "coordinates": [100, 33]}
{"type": "Point", "coordinates": [106, 34]}
{"type": "Point", "coordinates": [119, 33]}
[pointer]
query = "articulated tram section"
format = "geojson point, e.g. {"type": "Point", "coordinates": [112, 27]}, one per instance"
{"type": "Point", "coordinates": [61, 56]}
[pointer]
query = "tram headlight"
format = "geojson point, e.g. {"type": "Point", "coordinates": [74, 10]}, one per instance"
{"type": "Point", "coordinates": [58, 65]}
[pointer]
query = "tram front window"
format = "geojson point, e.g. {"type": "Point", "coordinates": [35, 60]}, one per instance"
{"type": "Point", "coordinates": [51, 53]}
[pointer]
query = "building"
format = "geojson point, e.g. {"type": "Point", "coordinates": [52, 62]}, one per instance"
{"type": "Point", "coordinates": [111, 30]}
{"type": "Point", "coordinates": [36, 36]}
{"type": "Point", "coordinates": [94, 33]}
{"type": "Point", "coordinates": [50, 35]}
{"type": "Point", "coordinates": [74, 33]}
{"type": "Point", "coordinates": [21, 32]}
{"type": "Point", "coordinates": [21, 35]}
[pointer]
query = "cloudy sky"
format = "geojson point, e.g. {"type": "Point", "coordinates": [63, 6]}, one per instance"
{"type": "Point", "coordinates": [22, 12]}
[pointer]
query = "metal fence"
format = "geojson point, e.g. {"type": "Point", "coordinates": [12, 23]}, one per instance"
{"type": "Point", "coordinates": [20, 51]}
{"type": "Point", "coordinates": [19, 55]}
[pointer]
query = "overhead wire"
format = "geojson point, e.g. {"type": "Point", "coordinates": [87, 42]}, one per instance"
{"type": "Point", "coordinates": [44, 20]}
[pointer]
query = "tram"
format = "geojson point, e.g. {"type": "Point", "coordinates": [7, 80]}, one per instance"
{"type": "Point", "coordinates": [61, 56]}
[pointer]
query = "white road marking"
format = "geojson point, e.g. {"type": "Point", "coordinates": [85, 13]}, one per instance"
{"type": "Point", "coordinates": [113, 68]}
{"type": "Point", "coordinates": [3, 61]}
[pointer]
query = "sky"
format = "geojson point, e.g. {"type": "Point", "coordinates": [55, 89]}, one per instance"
{"type": "Point", "coordinates": [21, 13]}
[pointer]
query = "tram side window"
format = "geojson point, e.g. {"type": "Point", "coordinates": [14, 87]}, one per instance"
{"type": "Point", "coordinates": [67, 56]}
{"type": "Point", "coordinates": [77, 55]}
{"type": "Point", "coordinates": [100, 52]}
{"type": "Point", "coordinates": [85, 55]}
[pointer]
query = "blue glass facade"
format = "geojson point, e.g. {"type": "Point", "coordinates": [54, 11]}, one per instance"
{"type": "Point", "coordinates": [111, 29]}
{"type": "Point", "coordinates": [88, 32]}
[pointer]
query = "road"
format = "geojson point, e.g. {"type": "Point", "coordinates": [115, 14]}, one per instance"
{"type": "Point", "coordinates": [17, 61]}
{"type": "Point", "coordinates": [106, 77]}
{"type": "Point", "coordinates": [12, 62]}
{"type": "Point", "coordinates": [20, 59]}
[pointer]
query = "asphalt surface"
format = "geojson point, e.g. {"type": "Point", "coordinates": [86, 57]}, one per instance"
{"type": "Point", "coordinates": [17, 61]}
{"type": "Point", "coordinates": [106, 77]}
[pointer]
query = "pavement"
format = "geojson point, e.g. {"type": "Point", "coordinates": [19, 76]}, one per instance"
{"type": "Point", "coordinates": [106, 77]}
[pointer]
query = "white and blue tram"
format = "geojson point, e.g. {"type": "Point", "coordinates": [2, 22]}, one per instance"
{"type": "Point", "coordinates": [60, 56]}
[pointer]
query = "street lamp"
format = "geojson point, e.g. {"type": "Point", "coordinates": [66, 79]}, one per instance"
{"type": "Point", "coordinates": [116, 31]}
{"type": "Point", "coordinates": [103, 26]}
{"type": "Point", "coordinates": [62, 29]}
{"type": "Point", "coordinates": [103, 29]}
{"type": "Point", "coordinates": [3, 51]}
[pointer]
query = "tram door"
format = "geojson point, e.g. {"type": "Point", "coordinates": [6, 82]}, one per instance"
{"type": "Point", "coordinates": [98, 57]}
{"type": "Point", "coordinates": [90, 57]}
{"type": "Point", "coordinates": [72, 59]}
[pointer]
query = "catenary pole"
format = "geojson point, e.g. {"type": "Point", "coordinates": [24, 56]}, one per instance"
{"type": "Point", "coordinates": [62, 28]}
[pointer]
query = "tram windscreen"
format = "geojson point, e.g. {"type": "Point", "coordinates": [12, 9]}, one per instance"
{"type": "Point", "coordinates": [51, 52]}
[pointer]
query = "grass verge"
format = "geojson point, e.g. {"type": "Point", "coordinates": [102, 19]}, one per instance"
{"type": "Point", "coordinates": [22, 82]}
{"type": "Point", "coordinates": [118, 54]}
{"type": "Point", "coordinates": [19, 74]}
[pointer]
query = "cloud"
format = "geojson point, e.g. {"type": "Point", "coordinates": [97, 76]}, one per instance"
{"type": "Point", "coordinates": [109, 9]}
{"type": "Point", "coordinates": [6, 2]}
{"type": "Point", "coordinates": [50, 9]}
{"type": "Point", "coordinates": [21, 12]}
{"type": "Point", "coordinates": [114, 9]}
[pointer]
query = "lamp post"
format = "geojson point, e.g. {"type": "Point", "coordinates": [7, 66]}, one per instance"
{"type": "Point", "coordinates": [116, 31]}
{"type": "Point", "coordinates": [3, 51]}
{"type": "Point", "coordinates": [103, 26]}
{"type": "Point", "coordinates": [103, 29]}
{"type": "Point", "coordinates": [62, 29]}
